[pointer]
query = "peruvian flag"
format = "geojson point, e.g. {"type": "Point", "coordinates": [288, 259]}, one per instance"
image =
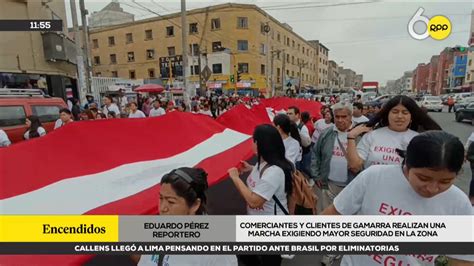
{"type": "Point", "coordinates": [115, 166]}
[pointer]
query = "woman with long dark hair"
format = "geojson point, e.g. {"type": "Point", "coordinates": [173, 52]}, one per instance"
{"type": "Point", "coordinates": [268, 184]}
{"type": "Point", "coordinates": [291, 137]}
{"type": "Point", "coordinates": [183, 192]}
{"type": "Point", "coordinates": [35, 128]}
{"type": "Point", "coordinates": [394, 126]}
{"type": "Point", "coordinates": [422, 185]}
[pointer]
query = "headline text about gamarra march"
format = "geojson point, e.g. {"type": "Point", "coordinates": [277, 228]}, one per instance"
{"type": "Point", "coordinates": [342, 229]}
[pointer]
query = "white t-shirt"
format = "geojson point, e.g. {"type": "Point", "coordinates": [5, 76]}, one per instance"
{"type": "Point", "coordinates": [293, 151]}
{"type": "Point", "coordinates": [4, 140]}
{"type": "Point", "coordinates": [319, 127]}
{"type": "Point", "coordinates": [384, 190]}
{"type": "Point", "coordinates": [304, 134]}
{"type": "Point", "coordinates": [271, 183]}
{"type": "Point", "coordinates": [137, 114]}
{"type": "Point", "coordinates": [41, 131]}
{"type": "Point", "coordinates": [338, 164]}
{"type": "Point", "coordinates": [189, 260]}
{"type": "Point", "coordinates": [378, 146]}
{"type": "Point", "coordinates": [469, 140]}
{"type": "Point", "coordinates": [113, 108]}
{"type": "Point", "coordinates": [360, 119]}
{"type": "Point", "coordinates": [208, 112]}
{"type": "Point", "coordinates": [157, 112]}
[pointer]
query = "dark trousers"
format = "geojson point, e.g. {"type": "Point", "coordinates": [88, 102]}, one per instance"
{"type": "Point", "coordinates": [450, 108]}
{"type": "Point", "coordinates": [471, 186]}
{"type": "Point", "coordinates": [305, 164]}
{"type": "Point", "coordinates": [260, 260]}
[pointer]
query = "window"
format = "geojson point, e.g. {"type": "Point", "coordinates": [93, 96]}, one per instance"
{"type": "Point", "coordinates": [98, 74]}
{"type": "Point", "coordinates": [273, 35]}
{"type": "Point", "coordinates": [262, 49]}
{"type": "Point", "coordinates": [278, 37]}
{"type": "Point", "coordinates": [262, 28]}
{"type": "Point", "coordinates": [242, 23]}
{"type": "Point", "coordinates": [113, 59]}
{"type": "Point", "coordinates": [319, 81]}
{"type": "Point", "coordinates": [171, 51]}
{"type": "Point", "coordinates": [293, 44]}
{"type": "Point", "coordinates": [288, 41]}
{"type": "Point", "coordinates": [96, 60]}
{"type": "Point", "coordinates": [217, 68]}
{"type": "Point", "coordinates": [151, 73]}
{"type": "Point", "coordinates": [242, 45]}
{"type": "Point", "coordinates": [262, 70]}
{"type": "Point", "coordinates": [194, 70]}
{"type": "Point", "coordinates": [169, 31]}
{"type": "Point", "coordinates": [46, 113]}
{"type": "Point", "coordinates": [150, 54]}
{"type": "Point", "coordinates": [320, 60]}
{"type": "Point", "coordinates": [194, 48]}
{"type": "Point", "coordinates": [95, 43]}
{"type": "Point", "coordinates": [292, 73]}
{"type": "Point", "coordinates": [111, 41]}
{"type": "Point", "coordinates": [148, 35]}
{"type": "Point", "coordinates": [278, 75]}
{"type": "Point", "coordinates": [243, 67]}
{"type": "Point", "coordinates": [131, 74]}
{"type": "Point", "coordinates": [468, 76]}
{"type": "Point", "coordinates": [303, 49]}
{"type": "Point", "coordinates": [131, 56]}
{"type": "Point", "coordinates": [216, 24]}
{"type": "Point", "coordinates": [216, 46]}
{"type": "Point", "coordinates": [129, 38]}
{"type": "Point", "coordinates": [114, 74]}
{"type": "Point", "coordinates": [193, 28]}
{"type": "Point", "coordinates": [288, 58]}
{"type": "Point", "coordinates": [320, 70]}
{"type": "Point", "coordinates": [293, 60]}
{"type": "Point", "coordinates": [287, 72]}
{"type": "Point", "coordinates": [12, 116]}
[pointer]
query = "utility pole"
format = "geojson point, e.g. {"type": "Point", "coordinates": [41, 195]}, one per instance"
{"type": "Point", "coordinates": [272, 78]}
{"type": "Point", "coordinates": [85, 32]}
{"type": "Point", "coordinates": [184, 43]}
{"type": "Point", "coordinates": [301, 65]}
{"type": "Point", "coordinates": [283, 72]}
{"type": "Point", "coordinates": [79, 58]}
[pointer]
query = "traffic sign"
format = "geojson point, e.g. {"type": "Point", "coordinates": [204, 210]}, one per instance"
{"type": "Point", "coordinates": [206, 73]}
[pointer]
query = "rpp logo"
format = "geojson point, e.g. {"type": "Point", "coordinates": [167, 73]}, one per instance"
{"type": "Point", "coordinates": [438, 27]}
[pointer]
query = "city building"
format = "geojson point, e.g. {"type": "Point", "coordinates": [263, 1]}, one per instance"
{"type": "Point", "coordinates": [359, 78]}
{"type": "Point", "coordinates": [322, 67]}
{"type": "Point", "coordinates": [349, 77]}
{"type": "Point", "coordinates": [34, 59]}
{"type": "Point", "coordinates": [111, 14]}
{"type": "Point", "coordinates": [342, 78]}
{"type": "Point", "coordinates": [446, 58]}
{"type": "Point", "coordinates": [432, 75]}
{"type": "Point", "coordinates": [457, 71]}
{"type": "Point", "coordinates": [469, 81]}
{"type": "Point", "coordinates": [420, 78]}
{"type": "Point", "coordinates": [333, 75]}
{"type": "Point", "coordinates": [231, 46]}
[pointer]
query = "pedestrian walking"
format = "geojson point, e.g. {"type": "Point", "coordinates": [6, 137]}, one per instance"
{"type": "Point", "coordinates": [183, 192]}
{"type": "Point", "coordinates": [394, 126]}
{"type": "Point", "coordinates": [422, 185]}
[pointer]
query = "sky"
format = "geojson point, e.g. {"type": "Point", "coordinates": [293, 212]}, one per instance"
{"type": "Point", "coordinates": [368, 36]}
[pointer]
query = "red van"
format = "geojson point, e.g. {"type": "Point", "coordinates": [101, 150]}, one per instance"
{"type": "Point", "coordinates": [17, 104]}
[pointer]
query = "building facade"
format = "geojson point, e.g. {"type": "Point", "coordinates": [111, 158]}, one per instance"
{"type": "Point", "coordinates": [359, 78]}
{"type": "Point", "coordinates": [32, 59]}
{"type": "Point", "coordinates": [470, 56]}
{"type": "Point", "coordinates": [111, 14]}
{"type": "Point", "coordinates": [322, 64]}
{"type": "Point", "coordinates": [333, 75]}
{"type": "Point", "coordinates": [349, 77]}
{"type": "Point", "coordinates": [433, 75]}
{"type": "Point", "coordinates": [457, 72]}
{"type": "Point", "coordinates": [236, 42]}
{"type": "Point", "coordinates": [420, 78]}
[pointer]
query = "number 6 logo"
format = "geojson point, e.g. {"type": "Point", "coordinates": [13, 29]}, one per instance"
{"type": "Point", "coordinates": [438, 27]}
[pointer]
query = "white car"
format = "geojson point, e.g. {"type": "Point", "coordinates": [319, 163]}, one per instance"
{"type": "Point", "coordinates": [431, 103]}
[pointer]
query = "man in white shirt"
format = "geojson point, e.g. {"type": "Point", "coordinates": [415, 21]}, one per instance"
{"type": "Point", "coordinates": [295, 116]}
{"type": "Point", "coordinates": [110, 106]}
{"type": "Point", "coordinates": [328, 163]}
{"type": "Point", "coordinates": [206, 111]}
{"type": "Point", "coordinates": [357, 116]}
{"type": "Point", "coordinates": [157, 109]}
{"type": "Point", "coordinates": [4, 140]}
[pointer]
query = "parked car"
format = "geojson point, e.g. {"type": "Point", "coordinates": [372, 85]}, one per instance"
{"type": "Point", "coordinates": [431, 103]}
{"type": "Point", "coordinates": [380, 100]}
{"type": "Point", "coordinates": [17, 104]}
{"type": "Point", "coordinates": [459, 96]}
{"type": "Point", "coordinates": [465, 113]}
{"type": "Point", "coordinates": [463, 102]}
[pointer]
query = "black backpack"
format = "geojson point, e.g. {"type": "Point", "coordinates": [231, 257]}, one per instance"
{"type": "Point", "coordinates": [305, 149]}
{"type": "Point", "coordinates": [470, 152]}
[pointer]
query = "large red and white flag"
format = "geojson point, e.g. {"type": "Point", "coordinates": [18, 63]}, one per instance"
{"type": "Point", "coordinates": [115, 166]}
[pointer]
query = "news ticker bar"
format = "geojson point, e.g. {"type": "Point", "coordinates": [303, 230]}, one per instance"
{"type": "Point", "coordinates": [427, 248]}
{"type": "Point", "coordinates": [30, 25]}
{"type": "Point", "coordinates": [425, 234]}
